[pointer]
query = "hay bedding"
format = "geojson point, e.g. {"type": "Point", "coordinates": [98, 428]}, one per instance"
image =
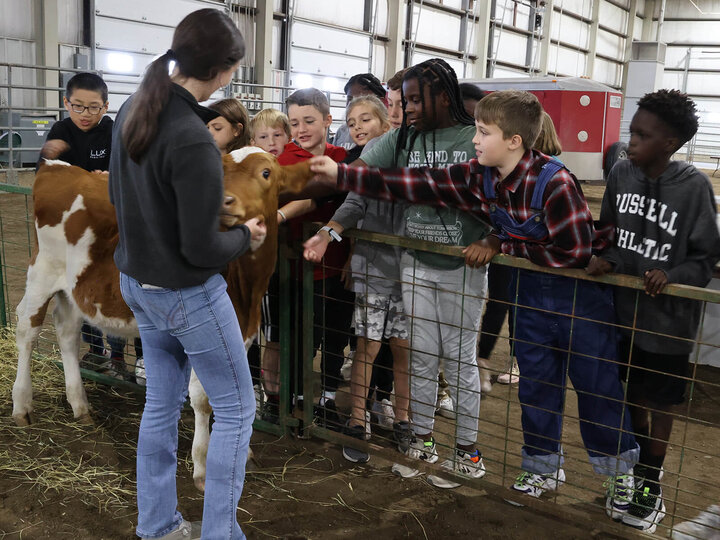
{"type": "Point", "coordinates": [63, 480]}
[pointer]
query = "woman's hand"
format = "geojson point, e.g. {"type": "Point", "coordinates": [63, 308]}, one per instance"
{"type": "Point", "coordinates": [258, 232]}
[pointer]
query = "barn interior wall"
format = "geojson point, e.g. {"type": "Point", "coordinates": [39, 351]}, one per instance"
{"type": "Point", "coordinates": [330, 41]}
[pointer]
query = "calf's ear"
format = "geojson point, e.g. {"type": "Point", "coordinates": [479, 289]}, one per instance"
{"type": "Point", "coordinates": [294, 177]}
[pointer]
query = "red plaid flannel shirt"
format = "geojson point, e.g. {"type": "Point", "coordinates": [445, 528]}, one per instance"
{"type": "Point", "coordinates": [572, 235]}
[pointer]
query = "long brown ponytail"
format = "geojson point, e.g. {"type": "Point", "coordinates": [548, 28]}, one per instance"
{"type": "Point", "coordinates": [205, 43]}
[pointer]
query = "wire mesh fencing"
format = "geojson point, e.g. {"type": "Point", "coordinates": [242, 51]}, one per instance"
{"type": "Point", "coordinates": [566, 408]}
{"type": "Point", "coordinates": [592, 395]}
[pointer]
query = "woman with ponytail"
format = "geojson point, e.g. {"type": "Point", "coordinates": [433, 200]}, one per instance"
{"type": "Point", "coordinates": [166, 184]}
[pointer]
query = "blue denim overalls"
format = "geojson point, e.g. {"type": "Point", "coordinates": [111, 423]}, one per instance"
{"type": "Point", "coordinates": [563, 325]}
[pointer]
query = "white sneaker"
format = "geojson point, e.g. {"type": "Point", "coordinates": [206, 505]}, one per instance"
{"type": "Point", "coordinates": [185, 531]}
{"type": "Point", "coordinates": [368, 429]}
{"type": "Point", "coordinates": [463, 463]}
{"type": "Point", "coordinates": [511, 374]}
{"type": "Point", "coordinates": [404, 471]}
{"type": "Point", "coordinates": [140, 371]}
{"type": "Point", "coordinates": [384, 413]}
{"type": "Point", "coordinates": [536, 484]}
{"type": "Point", "coordinates": [706, 526]}
{"type": "Point", "coordinates": [423, 450]}
{"type": "Point", "coordinates": [346, 369]}
{"type": "Point", "coordinates": [444, 406]}
{"type": "Point", "coordinates": [419, 449]}
{"type": "Point", "coordinates": [618, 494]}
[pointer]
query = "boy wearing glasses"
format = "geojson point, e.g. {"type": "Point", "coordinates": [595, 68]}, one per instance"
{"type": "Point", "coordinates": [84, 138]}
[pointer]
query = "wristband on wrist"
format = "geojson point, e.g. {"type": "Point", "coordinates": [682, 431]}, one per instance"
{"type": "Point", "coordinates": [334, 236]}
{"type": "Point", "coordinates": [282, 215]}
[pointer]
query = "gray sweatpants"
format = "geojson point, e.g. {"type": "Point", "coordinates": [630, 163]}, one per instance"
{"type": "Point", "coordinates": [444, 309]}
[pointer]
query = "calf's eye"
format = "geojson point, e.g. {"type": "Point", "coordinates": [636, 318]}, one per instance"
{"type": "Point", "coordinates": [266, 173]}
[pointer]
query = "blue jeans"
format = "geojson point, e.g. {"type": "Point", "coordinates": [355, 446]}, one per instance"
{"type": "Point", "coordinates": [566, 328]}
{"type": "Point", "coordinates": [183, 328]}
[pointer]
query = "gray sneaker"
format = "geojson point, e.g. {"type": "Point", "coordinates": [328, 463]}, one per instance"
{"type": "Point", "coordinates": [185, 531]}
{"type": "Point", "coordinates": [706, 526]}
{"type": "Point", "coordinates": [354, 455]}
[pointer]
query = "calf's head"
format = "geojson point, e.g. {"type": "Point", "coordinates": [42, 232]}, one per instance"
{"type": "Point", "coordinates": [253, 180]}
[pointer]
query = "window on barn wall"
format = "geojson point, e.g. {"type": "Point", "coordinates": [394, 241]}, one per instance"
{"type": "Point", "coordinates": [19, 45]}
{"type": "Point", "coordinates": [611, 43]}
{"type": "Point", "coordinates": [512, 45]}
{"type": "Point", "coordinates": [129, 34]}
{"type": "Point", "coordinates": [569, 40]}
{"type": "Point", "coordinates": [441, 29]}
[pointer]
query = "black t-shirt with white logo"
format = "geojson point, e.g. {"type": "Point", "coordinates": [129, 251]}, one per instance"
{"type": "Point", "coordinates": [88, 149]}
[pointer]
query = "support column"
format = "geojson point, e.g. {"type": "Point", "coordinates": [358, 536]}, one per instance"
{"type": "Point", "coordinates": [394, 60]}
{"type": "Point", "coordinates": [263, 48]}
{"type": "Point", "coordinates": [592, 39]}
{"type": "Point", "coordinates": [482, 43]}
{"type": "Point", "coordinates": [545, 42]}
{"type": "Point", "coordinates": [630, 32]}
{"type": "Point", "coordinates": [50, 55]}
{"type": "Point", "coordinates": [648, 24]}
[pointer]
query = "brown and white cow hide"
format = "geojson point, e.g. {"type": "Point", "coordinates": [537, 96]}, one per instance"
{"type": "Point", "coordinates": [76, 231]}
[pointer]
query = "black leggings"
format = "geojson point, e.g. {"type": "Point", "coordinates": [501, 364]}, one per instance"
{"type": "Point", "coordinates": [499, 277]}
{"type": "Point", "coordinates": [333, 308]}
{"type": "Point", "coordinates": [382, 373]}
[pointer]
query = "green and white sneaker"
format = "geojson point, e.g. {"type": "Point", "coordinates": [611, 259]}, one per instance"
{"type": "Point", "coordinates": [618, 494]}
{"type": "Point", "coordinates": [536, 484]}
{"type": "Point", "coordinates": [646, 509]}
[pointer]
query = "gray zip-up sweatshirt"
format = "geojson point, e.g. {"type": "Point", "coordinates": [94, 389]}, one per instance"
{"type": "Point", "coordinates": [667, 223]}
{"type": "Point", "coordinates": [375, 267]}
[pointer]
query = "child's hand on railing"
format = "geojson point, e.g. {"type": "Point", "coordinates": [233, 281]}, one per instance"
{"type": "Point", "coordinates": [655, 281]}
{"type": "Point", "coordinates": [481, 252]}
{"type": "Point", "coordinates": [598, 266]}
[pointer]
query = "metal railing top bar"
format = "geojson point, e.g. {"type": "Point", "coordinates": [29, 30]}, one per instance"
{"type": "Point", "coordinates": [30, 87]}
{"type": "Point", "coordinates": [41, 109]}
{"type": "Point", "coordinates": [685, 291]}
{"type": "Point", "coordinates": [35, 66]}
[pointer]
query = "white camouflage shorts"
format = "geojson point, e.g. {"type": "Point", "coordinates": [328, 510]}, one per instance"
{"type": "Point", "coordinates": [380, 315]}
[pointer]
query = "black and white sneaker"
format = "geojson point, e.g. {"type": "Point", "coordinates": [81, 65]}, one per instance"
{"type": "Point", "coordinates": [355, 455]}
{"type": "Point", "coordinates": [326, 415]}
{"type": "Point", "coordinates": [646, 509]}
{"type": "Point", "coordinates": [402, 435]}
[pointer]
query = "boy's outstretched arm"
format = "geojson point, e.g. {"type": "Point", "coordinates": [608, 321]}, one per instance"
{"type": "Point", "coordinates": [457, 186]}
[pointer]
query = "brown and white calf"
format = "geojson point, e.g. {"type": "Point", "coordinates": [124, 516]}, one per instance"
{"type": "Point", "coordinates": [73, 263]}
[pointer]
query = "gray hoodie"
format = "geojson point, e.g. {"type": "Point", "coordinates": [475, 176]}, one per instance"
{"type": "Point", "coordinates": [375, 267]}
{"type": "Point", "coordinates": [668, 223]}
